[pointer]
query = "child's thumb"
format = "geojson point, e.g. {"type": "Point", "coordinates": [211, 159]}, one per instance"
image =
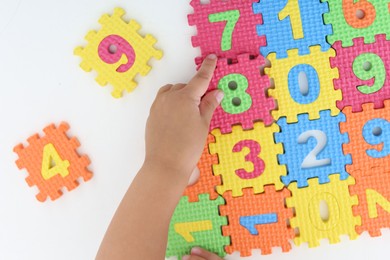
{"type": "Point", "coordinates": [209, 103]}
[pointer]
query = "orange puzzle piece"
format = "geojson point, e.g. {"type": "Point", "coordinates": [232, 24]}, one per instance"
{"type": "Point", "coordinates": [371, 165]}
{"type": "Point", "coordinates": [207, 180]}
{"type": "Point", "coordinates": [257, 221]}
{"type": "Point", "coordinates": [53, 162]}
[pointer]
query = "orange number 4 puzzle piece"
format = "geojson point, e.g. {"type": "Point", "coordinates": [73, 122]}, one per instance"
{"type": "Point", "coordinates": [53, 162]}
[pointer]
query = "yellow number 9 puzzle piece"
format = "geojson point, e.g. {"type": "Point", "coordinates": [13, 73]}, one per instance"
{"type": "Point", "coordinates": [118, 53]}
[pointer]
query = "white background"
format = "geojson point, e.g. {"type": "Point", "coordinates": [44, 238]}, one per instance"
{"type": "Point", "coordinates": [41, 83]}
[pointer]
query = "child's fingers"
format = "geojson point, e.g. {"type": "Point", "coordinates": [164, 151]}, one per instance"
{"type": "Point", "coordinates": [209, 103]}
{"type": "Point", "coordinates": [204, 254]}
{"type": "Point", "coordinates": [192, 257]}
{"type": "Point", "coordinates": [200, 82]}
{"type": "Point", "coordinates": [165, 88]}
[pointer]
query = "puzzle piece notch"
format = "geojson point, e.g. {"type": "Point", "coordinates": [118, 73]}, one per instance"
{"type": "Point", "coordinates": [249, 86]}
{"type": "Point", "coordinates": [192, 221]}
{"type": "Point", "coordinates": [31, 156]}
{"type": "Point", "coordinates": [270, 234]}
{"type": "Point", "coordinates": [207, 180]}
{"type": "Point", "coordinates": [131, 57]}
{"type": "Point", "coordinates": [345, 32]}
{"type": "Point", "coordinates": [312, 227]}
{"type": "Point", "coordinates": [229, 35]}
{"type": "Point", "coordinates": [374, 69]}
{"type": "Point", "coordinates": [292, 25]}
{"type": "Point", "coordinates": [230, 162]}
{"type": "Point", "coordinates": [318, 70]}
{"type": "Point", "coordinates": [312, 148]}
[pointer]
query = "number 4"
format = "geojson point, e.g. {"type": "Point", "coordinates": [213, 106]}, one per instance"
{"type": "Point", "coordinates": [231, 18]}
{"type": "Point", "coordinates": [52, 164]}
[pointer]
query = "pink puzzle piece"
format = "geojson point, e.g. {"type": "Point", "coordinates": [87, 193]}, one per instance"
{"type": "Point", "coordinates": [364, 73]}
{"type": "Point", "coordinates": [226, 28]}
{"type": "Point", "coordinates": [241, 80]}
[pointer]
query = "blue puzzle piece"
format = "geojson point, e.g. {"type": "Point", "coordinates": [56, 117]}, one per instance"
{"type": "Point", "coordinates": [310, 28]}
{"type": "Point", "coordinates": [250, 222]}
{"type": "Point", "coordinates": [304, 155]}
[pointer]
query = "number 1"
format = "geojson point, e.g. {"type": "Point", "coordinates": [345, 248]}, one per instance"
{"type": "Point", "coordinates": [292, 9]}
{"type": "Point", "coordinates": [231, 18]}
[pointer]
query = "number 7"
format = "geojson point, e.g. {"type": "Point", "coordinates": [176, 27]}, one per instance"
{"type": "Point", "coordinates": [231, 18]}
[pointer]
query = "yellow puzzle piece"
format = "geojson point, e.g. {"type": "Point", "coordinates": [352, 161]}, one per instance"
{"type": "Point", "coordinates": [306, 201]}
{"type": "Point", "coordinates": [118, 53]}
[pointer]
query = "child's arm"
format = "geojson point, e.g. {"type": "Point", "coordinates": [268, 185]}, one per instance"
{"type": "Point", "coordinates": [176, 132]}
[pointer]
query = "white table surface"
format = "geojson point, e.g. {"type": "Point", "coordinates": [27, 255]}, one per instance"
{"type": "Point", "coordinates": [41, 83]}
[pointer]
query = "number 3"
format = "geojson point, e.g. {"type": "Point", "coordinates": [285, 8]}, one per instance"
{"type": "Point", "coordinates": [253, 156]}
{"type": "Point", "coordinates": [311, 160]}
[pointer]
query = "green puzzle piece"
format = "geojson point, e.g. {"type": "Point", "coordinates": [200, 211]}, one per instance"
{"type": "Point", "coordinates": [344, 32]}
{"type": "Point", "coordinates": [197, 224]}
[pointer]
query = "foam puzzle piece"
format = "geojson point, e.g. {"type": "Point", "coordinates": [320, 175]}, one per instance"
{"type": "Point", "coordinates": [313, 148]}
{"type": "Point", "coordinates": [197, 224]}
{"type": "Point", "coordinates": [247, 159]}
{"type": "Point", "coordinates": [225, 28]}
{"type": "Point", "coordinates": [257, 221]}
{"type": "Point", "coordinates": [347, 24]}
{"type": "Point", "coordinates": [117, 52]}
{"type": "Point", "coordinates": [364, 72]}
{"type": "Point", "coordinates": [243, 81]}
{"type": "Point", "coordinates": [291, 100]}
{"type": "Point", "coordinates": [312, 227]}
{"type": "Point", "coordinates": [207, 180]}
{"type": "Point", "coordinates": [369, 146]}
{"type": "Point", "coordinates": [292, 24]}
{"type": "Point", "coordinates": [52, 162]}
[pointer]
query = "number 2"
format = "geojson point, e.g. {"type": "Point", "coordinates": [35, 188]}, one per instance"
{"type": "Point", "coordinates": [292, 9]}
{"type": "Point", "coordinates": [52, 164]}
{"type": "Point", "coordinates": [253, 156]}
{"type": "Point", "coordinates": [311, 160]}
{"type": "Point", "coordinates": [231, 18]}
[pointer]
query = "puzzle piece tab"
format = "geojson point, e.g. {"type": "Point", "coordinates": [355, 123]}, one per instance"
{"type": "Point", "coordinates": [207, 180]}
{"type": "Point", "coordinates": [352, 19]}
{"type": "Point", "coordinates": [293, 97]}
{"type": "Point", "coordinates": [245, 99]}
{"type": "Point", "coordinates": [313, 148]}
{"type": "Point", "coordinates": [312, 227]}
{"type": "Point", "coordinates": [225, 28]}
{"type": "Point", "coordinates": [117, 52]}
{"type": "Point", "coordinates": [52, 162]}
{"type": "Point", "coordinates": [257, 221]}
{"type": "Point", "coordinates": [247, 159]}
{"type": "Point", "coordinates": [197, 224]}
{"type": "Point", "coordinates": [364, 72]}
{"type": "Point", "coordinates": [293, 24]}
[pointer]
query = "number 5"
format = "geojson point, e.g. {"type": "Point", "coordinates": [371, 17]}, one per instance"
{"type": "Point", "coordinates": [231, 18]}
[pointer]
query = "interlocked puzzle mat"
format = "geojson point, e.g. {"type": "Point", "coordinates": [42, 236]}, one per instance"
{"type": "Point", "coordinates": [305, 121]}
{"type": "Point", "coordinates": [312, 128]}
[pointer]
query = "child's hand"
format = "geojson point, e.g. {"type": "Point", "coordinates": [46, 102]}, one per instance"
{"type": "Point", "coordinates": [179, 121]}
{"type": "Point", "coordinates": [201, 254]}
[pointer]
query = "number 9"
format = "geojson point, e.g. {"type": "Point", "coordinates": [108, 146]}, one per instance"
{"type": "Point", "coordinates": [112, 48]}
{"type": "Point", "coordinates": [376, 132]}
{"type": "Point", "coordinates": [367, 66]}
{"type": "Point", "coordinates": [359, 15]}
